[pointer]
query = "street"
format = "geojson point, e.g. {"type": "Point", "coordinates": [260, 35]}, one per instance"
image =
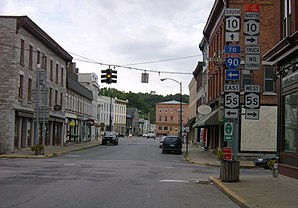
{"type": "Point", "coordinates": [131, 174]}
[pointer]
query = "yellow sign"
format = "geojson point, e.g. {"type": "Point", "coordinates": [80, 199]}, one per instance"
{"type": "Point", "coordinates": [72, 123]}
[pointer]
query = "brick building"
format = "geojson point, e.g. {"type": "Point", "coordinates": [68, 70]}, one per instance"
{"type": "Point", "coordinates": [168, 117]}
{"type": "Point", "coordinates": [254, 135]}
{"type": "Point", "coordinates": [284, 56]}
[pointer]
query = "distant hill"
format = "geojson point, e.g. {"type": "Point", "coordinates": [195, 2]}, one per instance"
{"type": "Point", "coordinates": [145, 102]}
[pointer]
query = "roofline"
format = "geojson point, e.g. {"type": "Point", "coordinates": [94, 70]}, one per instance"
{"type": "Point", "coordinates": [25, 22]}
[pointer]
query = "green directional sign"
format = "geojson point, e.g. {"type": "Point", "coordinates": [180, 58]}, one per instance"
{"type": "Point", "coordinates": [228, 136]}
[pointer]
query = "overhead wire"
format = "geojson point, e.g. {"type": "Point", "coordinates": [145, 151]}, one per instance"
{"type": "Point", "coordinates": [126, 66]}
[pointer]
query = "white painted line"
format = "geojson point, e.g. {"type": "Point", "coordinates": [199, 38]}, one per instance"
{"type": "Point", "coordinates": [174, 181]}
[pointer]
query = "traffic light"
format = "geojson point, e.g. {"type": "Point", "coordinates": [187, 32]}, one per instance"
{"type": "Point", "coordinates": [108, 76]}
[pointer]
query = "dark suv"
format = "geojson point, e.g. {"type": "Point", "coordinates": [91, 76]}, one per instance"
{"type": "Point", "coordinates": [172, 144]}
{"type": "Point", "coordinates": [110, 137]}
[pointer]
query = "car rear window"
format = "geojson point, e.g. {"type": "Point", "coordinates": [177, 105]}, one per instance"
{"type": "Point", "coordinates": [171, 139]}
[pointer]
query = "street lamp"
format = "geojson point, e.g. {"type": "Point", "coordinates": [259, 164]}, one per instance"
{"type": "Point", "coordinates": [180, 133]}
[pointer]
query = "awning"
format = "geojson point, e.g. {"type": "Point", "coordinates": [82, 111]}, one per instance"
{"type": "Point", "coordinates": [208, 120]}
{"type": "Point", "coordinates": [190, 122]}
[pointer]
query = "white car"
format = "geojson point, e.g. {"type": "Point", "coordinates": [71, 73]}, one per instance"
{"type": "Point", "coordinates": [151, 135]}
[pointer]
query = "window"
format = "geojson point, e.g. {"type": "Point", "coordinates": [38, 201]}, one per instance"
{"type": "Point", "coordinates": [51, 70]}
{"type": "Point", "coordinates": [171, 118]}
{"type": "Point", "coordinates": [50, 97]}
{"type": "Point", "coordinates": [166, 110]}
{"type": "Point", "coordinates": [30, 56]}
{"type": "Point", "coordinates": [160, 110]}
{"type": "Point", "coordinates": [286, 15]}
{"type": "Point", "coordinates": [246, 78]}
{"type": "Point", "coordinates": [29, 89]}
{"type": "Point", "coordinates": [166, 118]}
{"type": "Point", "coordinates": [62, 71]}
{"type": "Point", "coordinates": [290, 122]}
{"type": "Point", "coordinates": [61, 100]}
{"type": "Point", "coordinates": [159, 118]}
{"type": "Point", "coordinates": [165, 128]}
{"type": "Point", "coordinates": [38, 57]}
{"type": "Point", "coordinates": [57, 71]}
{"type": "Point", "coordinates": [44, 62]}
{"type": "Point", "coordinates": [56, 97]}
{"type": "Point", "coordinates": [160, 128]}
{"type": "Point", "coordinates": [21, 85]}
{"type": "Point", "coordinates": [268, 79]}
{"type": "Point", "coordinates": [22, 54]}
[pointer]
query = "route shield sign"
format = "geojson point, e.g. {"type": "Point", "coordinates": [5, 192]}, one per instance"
{"type": "Point", "coordinates": [228, 135]}
{"type": "Point", "coordinates": [231, 99]}
{"type": "Point", "coordinates": [232, 62]}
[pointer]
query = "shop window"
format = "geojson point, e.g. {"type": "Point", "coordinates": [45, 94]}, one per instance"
{"type": "Point", "coordinates": [290, 122]}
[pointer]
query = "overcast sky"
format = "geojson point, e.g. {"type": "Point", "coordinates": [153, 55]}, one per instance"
{"type": "Point", "coordinates": [125, 32]}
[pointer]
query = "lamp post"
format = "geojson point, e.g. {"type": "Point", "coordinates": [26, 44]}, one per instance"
{"type": "Point", "coordinates": [180, 133]}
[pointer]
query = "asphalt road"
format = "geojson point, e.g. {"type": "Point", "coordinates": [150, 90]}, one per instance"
{"type": "Point", "coordinates": [133, 174]}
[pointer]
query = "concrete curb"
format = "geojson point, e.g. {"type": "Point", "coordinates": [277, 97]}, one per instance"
{"type": "Point", "coordinates": [47, 155]}
{"type": "Point", "coordinates": [232, 195]}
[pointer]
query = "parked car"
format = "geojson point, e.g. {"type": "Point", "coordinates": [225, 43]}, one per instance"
{"type": "Point", "coordinates": [110, 137]}
{"type": "Point", "coordinates": [120, 135]}
{"type": "Point", "coordinates": [172, 144]}
{"type": "Point", "coordinates": [161, 141]}
{"type": "Point", "coordinates": [151, 135]}
{"type": "Point", "coordinates": [264, 161]}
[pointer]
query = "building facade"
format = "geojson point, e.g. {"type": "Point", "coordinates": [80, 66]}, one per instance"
{"type": "Point", "coordinates": [120, 107]}
{"type": "Point", "coordinates": [284, 56]}
{"type": "Point", "coordinates": [168, 117]}
{"type": "Point", "coordinates": [33, 85]}
{"type": "Point", "coordinates": [254, 135]}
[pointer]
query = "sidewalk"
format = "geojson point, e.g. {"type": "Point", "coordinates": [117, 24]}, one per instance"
{"type": "Point", "coordinates": [52, 151]}
{"type": "Point", "coordinates": [255, 191]}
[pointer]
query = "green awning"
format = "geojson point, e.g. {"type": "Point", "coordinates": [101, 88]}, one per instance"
{"type": "Point", "coordinates": [208, 120]}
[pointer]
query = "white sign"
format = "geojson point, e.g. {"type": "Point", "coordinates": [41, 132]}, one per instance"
{"type": "Point", "coordinates": [232, 36]}
{"type": "Point", "coordinates": [252, 50]}
{"type": "Point", "coordinates": [251, 40]}
{"type": "Point", "coordinates": [231, 100]}
{"type": "Point", "coordinates": [251, 88]}
{"type": "Point", "coordinates": [252, 15]}
{"type": "Point", "coordinates": [232, 12]}
{"type": "Point", "coordinates": [251, 27]}
{"type": "Point", "coordinates": [204, 109]}
{"type": "Point", "coordinates": [251, 100]}
{"type": "Point", "coordinates": [252, 114]}
{"type": "Point", "coordinates": [231, 88]}
{"type": "Point", "coordinates": [231, 113]}
{"type": "Point", "coordinates": [232, 24]}
{"type": "Point", "coordinates": [252, 62]}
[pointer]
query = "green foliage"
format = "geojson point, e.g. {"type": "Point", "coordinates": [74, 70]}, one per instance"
{"type": "Point", "coordinates": [37, 147]}
{"type": "Point", "coordinates": [145, 102]}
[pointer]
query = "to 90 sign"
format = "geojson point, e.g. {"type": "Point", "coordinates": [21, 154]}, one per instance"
{"type": "Point", "coordinates": [232, 62]}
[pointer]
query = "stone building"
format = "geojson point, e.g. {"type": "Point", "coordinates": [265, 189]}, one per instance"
{"type": "Point", "coordinates": [28, 54]}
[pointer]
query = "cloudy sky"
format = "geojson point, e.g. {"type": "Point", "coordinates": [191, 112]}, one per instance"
{"type": "Point", "coordinates": [125, 33]}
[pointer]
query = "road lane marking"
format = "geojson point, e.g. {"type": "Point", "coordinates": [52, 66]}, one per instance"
{"type": "Point", "coordinates": [174, 181]}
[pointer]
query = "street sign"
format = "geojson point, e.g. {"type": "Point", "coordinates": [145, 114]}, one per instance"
{"type": "Point", "coordinates": [251, 88]}
{"type": "Point", "coordinates": [232, 62]}
{"type": "Point", "coordinates": [232, 74]}
{"type": "Point", "coordinates": [252, 50]}
{"type": "Point", "coordinates": [232, 12]}
{"type": "Point", "coordinates": [145, 78]}
{"type": "Point", "coordinates": [252, 114]}
{"type": "Point", "coordinates": [251, 27]}
{"type": "Point", "coordinates": [232, 49]}
{"type": "Point", "coordinates": [251, 7]}
{"type": "Point", "coordinates": [232, 36]}
{"type": "Point", "coordinates": [231, 99]}
{"type": "Point", "coordinates": [227, 153]}
{"type": "Point", "coordinates": [252, 61]}
{"type": "Point", "coordinates": [228, 134]}
{"type": "Point", "coordinates": [251, 40]}
{"type": "Point", "coordinates": [251, 100]}
{"type": "Point", "coordinates": [231, 88]}
{"type": "Point", "coordinates": [232, 24]}
{"type": "Point", "coordinates": [231, 113]}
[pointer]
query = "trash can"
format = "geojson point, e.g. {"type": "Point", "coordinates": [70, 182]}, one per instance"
{"type": "Point", "coordinates": [229, 170]}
